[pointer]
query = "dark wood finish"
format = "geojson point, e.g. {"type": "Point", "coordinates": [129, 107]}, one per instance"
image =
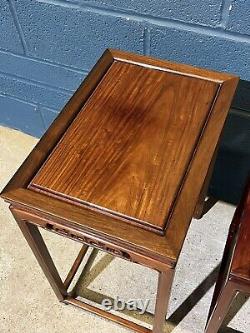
{"type": "Point", "coordinates": [225, 299]}
{"type": "Point", "coordinates": [234, 275]}
{"type": "Point", "coordinates": [39, 154]}
{"type": "Point", "coordinates": [90, 240]}
{"type": "Point", "coordinates": [162, 299]}
{"type": "Point", "coordinates": [203, 204]}
{"type": "Point", "coordinates": [39, 248]}
{"type": "Point", "coordinates": [241, 259]}
{"type": "Point", "coordinates": [134, 126]}
{"type": "Point", "coordinates": [165, 249]}
{"type": "Point", "coordinates": [16, 190]}
{"type": "Point", "coordinates": [122, 167]}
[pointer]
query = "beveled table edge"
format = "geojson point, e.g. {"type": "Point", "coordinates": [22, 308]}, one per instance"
{"type": "Point", "coordinates": [16, 191]}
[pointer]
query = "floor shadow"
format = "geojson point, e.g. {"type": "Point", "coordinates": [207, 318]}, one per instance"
{"type": "Point", "coordinates": [229, 330]}
{"type": "Point", "coordinates": [237, 304]}
{"type": "Point", "coordinates": [194, 297]}
{"type": "Point", "coordinates": [208, 204]}
{"type": "Point", "coordinates": [91, 271]}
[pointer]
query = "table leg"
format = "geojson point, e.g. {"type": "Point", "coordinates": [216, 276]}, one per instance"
{"type": "Point", "coordinates": [39, 248]}
{"type": "Point", "coordinates": [221, 307]}
{"type": "Point", "coordinates": [202, 206]}
{"type": "Point", "coordinates": [162, 299]}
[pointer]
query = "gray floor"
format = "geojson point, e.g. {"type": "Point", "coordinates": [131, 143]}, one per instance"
{"type": "Point", "coordinates": [28, 305]}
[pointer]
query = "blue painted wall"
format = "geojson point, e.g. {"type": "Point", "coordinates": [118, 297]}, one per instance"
{"type": "Point", "coordinates": [48, 46]}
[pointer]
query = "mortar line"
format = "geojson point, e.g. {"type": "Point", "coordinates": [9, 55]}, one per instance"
{"type": "Point", "coordinates": [146, 41]}
{"type": "Point", "coordinates": [225, 12]}
{"type": "Point", "coordinates": [39, 111]}
{"type": "Point", "coordinates": [36, 83]}
{"type": "Point", "coordinates": [18, 26]}
{"type": "Point", "coordinates": [200, 28]}
{"type": "Point", "coordinates": [28, 102]}
{"type": "Point", "coordinates": [46, 62]}
{"type": "Point", "coordinates": [2, 94]}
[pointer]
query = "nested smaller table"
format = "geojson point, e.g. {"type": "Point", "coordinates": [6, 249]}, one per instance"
{"type": "Point", "coordinates": [234, 275]}
{"type": "Point", "coordinates": [124, 167]}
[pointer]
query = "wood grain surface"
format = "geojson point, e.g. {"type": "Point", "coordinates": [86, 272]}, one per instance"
{"type": "Point", "coordinates": [128, 149]}
{"type": "Point", "coordinates": [234, 275]}
{"type": "Point", "coordinates": [154, 249]}
{"type": "Point", "coordinates": [130, 152]}
{"type": "Point", "coordinates": [241, 257]}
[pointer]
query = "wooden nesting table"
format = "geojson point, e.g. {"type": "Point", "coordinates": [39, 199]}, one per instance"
{"type": "Point", "coordinates": [124, 167]}
{"type": "Point", "coordinates": [234, 275]}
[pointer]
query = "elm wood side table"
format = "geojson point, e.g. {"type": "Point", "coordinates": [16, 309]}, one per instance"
{"type": "Point", "coordinates": [123, 166]}
{"type": "Point", "coordinates": [234, 273]}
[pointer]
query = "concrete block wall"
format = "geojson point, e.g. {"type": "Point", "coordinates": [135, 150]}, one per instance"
{"type": "Point", "coordinates": [47, 47]}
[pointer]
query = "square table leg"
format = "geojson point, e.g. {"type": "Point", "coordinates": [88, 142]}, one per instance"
{"type": "Point", "coordinates": [40, 250]}
{"type": "Point", "coordinates": [220, 306]}
{"type": "Point", "coordinates": [203, 206]}
{"type": "Point", "coordinates": [162, 299]}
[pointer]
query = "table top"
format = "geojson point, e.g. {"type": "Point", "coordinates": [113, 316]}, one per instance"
{"type": "Point", "coordinates": [129, 147]}
{"type": "Point", "coordinates": [128, 155]}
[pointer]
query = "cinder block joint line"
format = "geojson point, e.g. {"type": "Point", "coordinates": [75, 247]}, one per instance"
{"type": "Point", "coordinates": [22, 100]}
{"type": "Point", "coordinates": [18, 26]}
{"type": "Point", "coordinates": [38, 110]}
{"type": "Point", "coordinates": [225, 12]}
{"type": "Point", "coordinates": [46, 62]}
{"type": "Point", "coordinates": [146, 41]}
{"type": "Point", "coordinates": [35, 83]}
{"type": "Point", "coordinates": [17, 99]}
{"type": "Point", "coordinates": [146, 19]}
